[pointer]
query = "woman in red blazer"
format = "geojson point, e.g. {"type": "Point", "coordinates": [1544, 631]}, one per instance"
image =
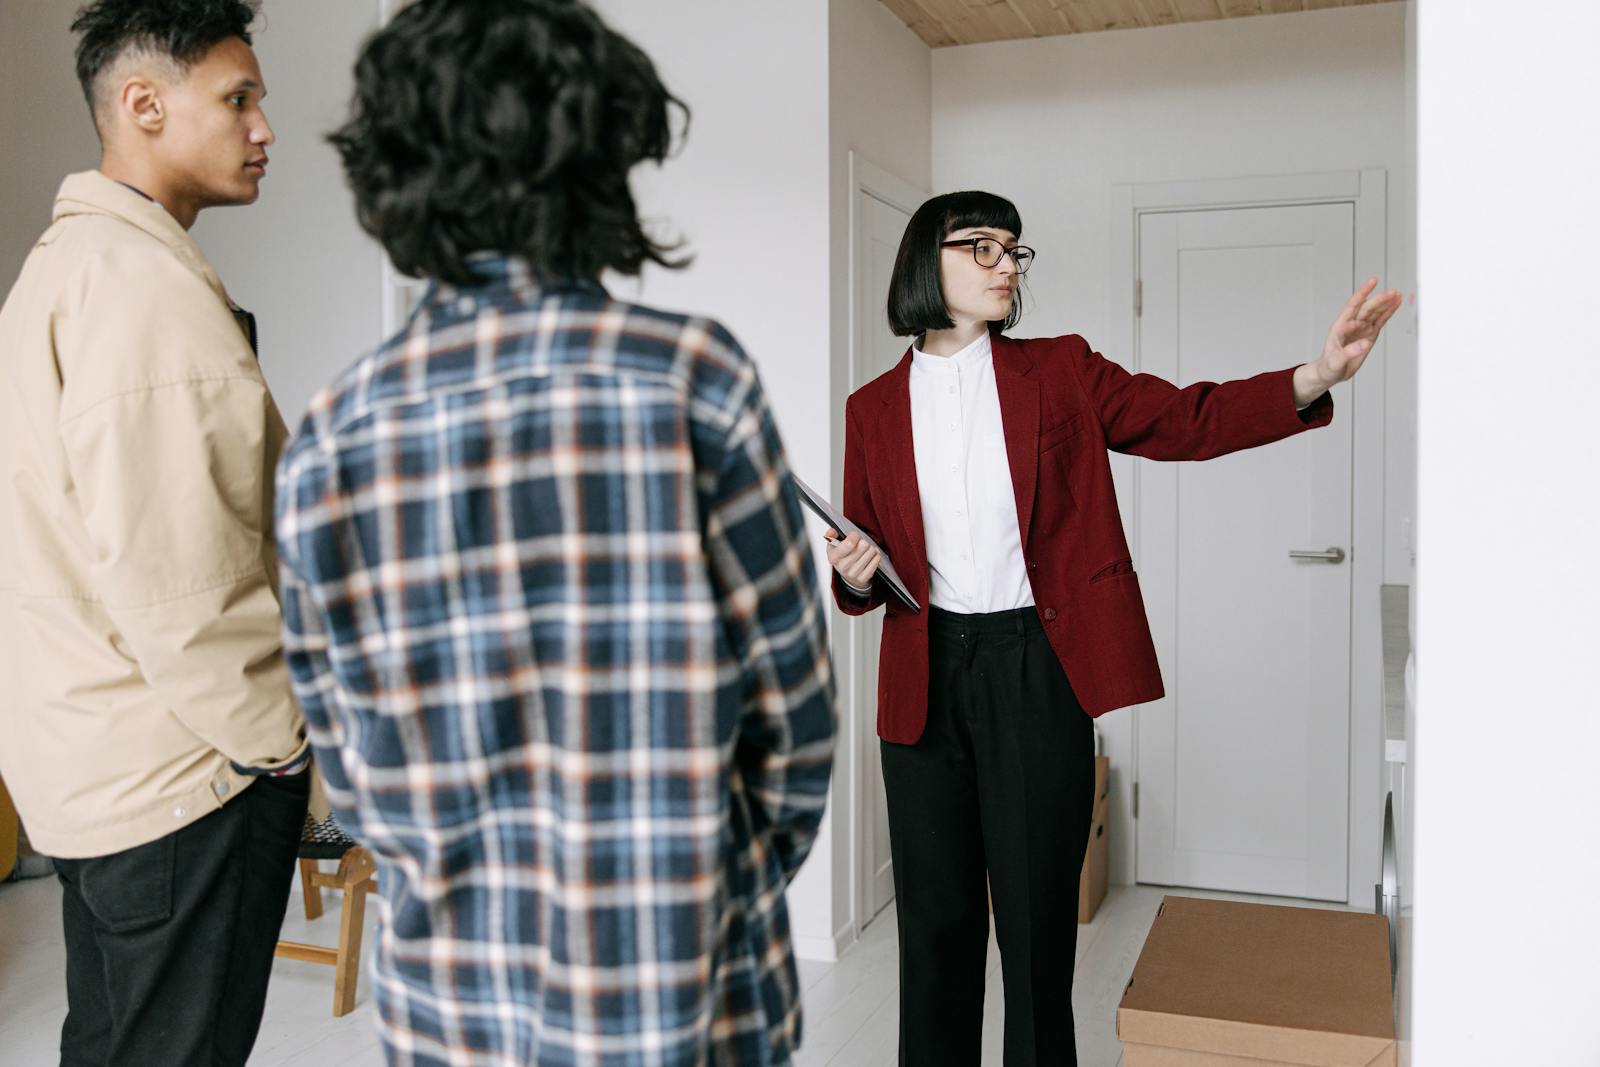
{"type": "Point", "coordinates": [979, 464]}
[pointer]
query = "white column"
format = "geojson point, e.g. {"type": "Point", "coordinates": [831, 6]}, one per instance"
{"type": "Point", "coordinates": [1506, 752]}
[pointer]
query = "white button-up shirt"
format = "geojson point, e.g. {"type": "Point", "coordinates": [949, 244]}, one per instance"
{"type": "Point", "coordinates": [969, 511]}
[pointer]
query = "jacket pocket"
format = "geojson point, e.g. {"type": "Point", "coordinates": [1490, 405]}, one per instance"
{"type": "Point", "coordinates": [1120, 569]}
{"type": "Point", "coordinates": [1061, 432]}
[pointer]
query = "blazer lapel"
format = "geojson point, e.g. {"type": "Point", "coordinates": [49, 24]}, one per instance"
{"type": "Point", "coordinates": [1019, 417]}
{"type": "Point", "coordinates": [899, 455]}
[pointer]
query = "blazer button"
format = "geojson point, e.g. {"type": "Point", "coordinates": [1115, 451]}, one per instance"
{"type": "Point", "coordinates": [1049, 614]}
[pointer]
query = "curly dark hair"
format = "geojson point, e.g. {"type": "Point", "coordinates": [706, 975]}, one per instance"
{"type": "Point", "coordinates": [179, 31]}
{"type": "Point", "coordinates": [505, 126]}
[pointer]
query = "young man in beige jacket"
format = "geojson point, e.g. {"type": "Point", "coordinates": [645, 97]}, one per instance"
{"type": "Point", "coordinates": [147, 731]}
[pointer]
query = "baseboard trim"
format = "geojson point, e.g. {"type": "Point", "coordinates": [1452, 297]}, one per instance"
{"type": "Point", "coordinates": [826, 949]}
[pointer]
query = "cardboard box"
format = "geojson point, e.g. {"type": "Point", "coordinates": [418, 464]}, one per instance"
{"type": "Point", "coordinates": [1223, 984]}
{"type": "Point", "coordinates": [1097, 857]}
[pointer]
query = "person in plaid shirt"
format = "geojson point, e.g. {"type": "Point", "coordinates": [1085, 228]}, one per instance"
{"type": "Point", "coordinates": [548, 603]}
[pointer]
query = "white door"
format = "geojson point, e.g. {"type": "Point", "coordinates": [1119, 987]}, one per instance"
{"type": "Point", "coordinates": [878, 231]}
{"type": "Point", "coordinates": [1243, 767]}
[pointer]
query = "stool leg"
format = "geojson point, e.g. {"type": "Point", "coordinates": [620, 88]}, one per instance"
{"type": "Point", "coordinates": [352, 913]}
{"type": "Point", "coordinates": [308, 888]}
{"type": "Point", "coordinates": [355, 878]}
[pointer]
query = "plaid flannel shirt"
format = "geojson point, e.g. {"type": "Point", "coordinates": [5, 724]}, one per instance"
{"type": "Point", "coordinates": [556, 630]}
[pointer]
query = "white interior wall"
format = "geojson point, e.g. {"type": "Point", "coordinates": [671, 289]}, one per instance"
{"type": "Point", "coordinates": [296, 257]}
{"type": "Point", "coordinates": [1403, 395]}
{"type": "Point", "coordinates": [880, 107]}
{"type": "Point", "coordinates": [1507, 724]}
{"type": "Point", "coordinates": [1054, 123]}
{"type": "Point", "coordinates": [1400, 368]}
{"type": "Point", "coordinates": [45, 129]}
{"type": "Point", "coordinates": [748, 189]}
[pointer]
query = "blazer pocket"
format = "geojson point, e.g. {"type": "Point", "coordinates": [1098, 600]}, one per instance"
{"type": "Point", "coordinates": [1061, 432]}
{"type": "Point", "coordinates": [1120, 569]}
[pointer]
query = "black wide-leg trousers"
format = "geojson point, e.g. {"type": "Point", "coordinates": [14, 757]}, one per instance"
{"type": "Point", "coordinates": [997, 794]}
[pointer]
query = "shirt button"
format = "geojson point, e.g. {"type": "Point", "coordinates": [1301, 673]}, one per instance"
{"type": "Point", "coordinates": [178, 813]}
{"type": "Point", "coordinates": [221, 789]}
{"type": "Point", "coordinates": [1049, 614]}
{"type": "Point", "coordinates": [952, 390]}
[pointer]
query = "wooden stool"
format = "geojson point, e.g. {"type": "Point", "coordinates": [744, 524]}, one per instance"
{"type": "Point", "coordinates": [355, 877]}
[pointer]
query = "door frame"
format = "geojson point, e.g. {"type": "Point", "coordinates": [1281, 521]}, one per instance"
{"type": "Point", "coordinates": [861, 697]}
{"type": "Point", "coordinates": [1367, 191]}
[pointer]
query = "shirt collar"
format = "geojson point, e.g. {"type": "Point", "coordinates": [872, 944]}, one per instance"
{"type": "Point", "coordinates": [969, 358]}
{"type": "Point", "coordinates": [499, 273]}
{"type": "Point", "coordinates": [136, 189]}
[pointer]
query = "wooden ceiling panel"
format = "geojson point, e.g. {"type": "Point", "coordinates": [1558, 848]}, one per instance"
{"type": "Point", "coordinates": [1043, 16]}
{"type": "Point", "coordinates": [1159, 12]}
{"type": "Point", "coordinates": [947, 9]}
{"type": "Point", "coordinates": [1002, 19]}
{"type": "Point", "coordinates": [943, 23]}
{"type": "Point", "coordinates": [907, 11]}
{"type": "Point", "coordinates": [1114, 14]}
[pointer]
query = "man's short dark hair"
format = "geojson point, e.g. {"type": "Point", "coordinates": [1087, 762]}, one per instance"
{"type": "Point", "coordinates": [178, 31]}
{"type": "Point", "coordinates": [916, 296]}
{"type": "Point", "coordinates": [505, 126]}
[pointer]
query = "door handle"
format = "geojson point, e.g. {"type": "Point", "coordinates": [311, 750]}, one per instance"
{"type": "Point", "coordinates": [1332, 555]}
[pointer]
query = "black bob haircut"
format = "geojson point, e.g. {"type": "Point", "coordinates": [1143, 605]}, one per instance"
{"type": "Point", "coordinates": [505, 126]}
{"type": "Point", "coordinates": [179, 31]}
{"type": "Point", "coordinates": [916, 296]}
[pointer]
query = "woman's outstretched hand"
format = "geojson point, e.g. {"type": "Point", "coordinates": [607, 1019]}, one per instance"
{"type": "Point", "coordinates": [855, 558]}
{"type": "Point", "coordinates": [1350, 341]}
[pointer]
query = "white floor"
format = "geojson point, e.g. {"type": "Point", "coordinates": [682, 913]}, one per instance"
{"type": "Point", "coordinates": [850, 1006]}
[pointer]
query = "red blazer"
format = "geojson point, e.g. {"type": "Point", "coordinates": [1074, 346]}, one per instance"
{"type": "Point", "coordinates": [1062, 406]}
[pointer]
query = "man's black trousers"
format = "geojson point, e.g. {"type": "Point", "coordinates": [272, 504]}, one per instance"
{"type": "Point", "coordinates": [169, 944]}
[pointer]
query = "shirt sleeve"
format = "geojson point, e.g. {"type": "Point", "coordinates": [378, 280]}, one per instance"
{"type": "Point", "coordinates": [769, 603]}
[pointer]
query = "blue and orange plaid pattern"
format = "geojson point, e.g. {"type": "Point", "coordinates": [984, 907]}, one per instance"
{"type": "Point", "coordinates": [552, 618]}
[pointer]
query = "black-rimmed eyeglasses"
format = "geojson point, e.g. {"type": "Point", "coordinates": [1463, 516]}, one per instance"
{"type": "Point", "coordinates": [988, 252]}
